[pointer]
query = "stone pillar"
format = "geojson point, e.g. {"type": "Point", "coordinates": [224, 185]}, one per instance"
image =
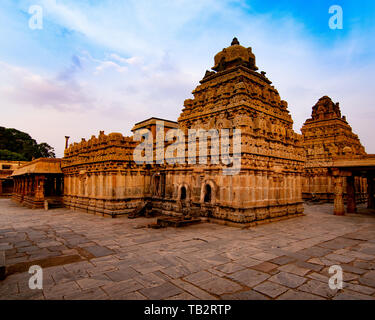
{"type": "Point", "coordinates": [350, 194]}
{"type": "Point", "coordinates": [39, 192]}
{"type": "Point", "coordinates": [66, 181]}
{"type": "Point", "coordinates": [114, 193]}
{"type": "Point", "coordinates": [94, 185]}
{"type": "Point", "coordinates": [339, 208]}
{"type": "Point", "coordinates": [28, 186]}
{"type": "Point", "coordinates": [102, 184]}
{"type": "Point", "coordinates": [22, 185]}
{"type": "Point", "coordinates": [370, 192]}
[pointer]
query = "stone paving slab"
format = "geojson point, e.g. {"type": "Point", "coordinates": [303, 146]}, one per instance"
{"type": "Point", "coordinates": [85, 256]}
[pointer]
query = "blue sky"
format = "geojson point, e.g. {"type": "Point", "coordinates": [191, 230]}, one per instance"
{"type": "Point", "coordinates": [104, 65]}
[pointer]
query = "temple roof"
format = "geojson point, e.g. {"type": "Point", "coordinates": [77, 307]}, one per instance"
{"type": "Point", "coordinates": [152, 121]}
{"type": "Point", "coordinates": [325, 108]}
{"type": "Point", "coordinates": [234, 55]}
{"type": "Point", "coordinates": [40, 166]}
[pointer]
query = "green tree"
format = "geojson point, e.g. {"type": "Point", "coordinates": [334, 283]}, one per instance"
{"type": "Point", "coordinates": [15, 144]}
{"type": "Point", "coordinates": [9, 155]}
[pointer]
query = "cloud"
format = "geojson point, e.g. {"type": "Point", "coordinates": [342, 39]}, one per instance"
{"type": "Point", "coordinates": [109, 64]}
{"type": "Point", "coordinates": [69, 72]}
{"type": "Point", "coordinates": [22, 86]}
{"type": "Point", "coordinates": [131, 61]}
{"type": "Point", "coordinates": [136, 59]}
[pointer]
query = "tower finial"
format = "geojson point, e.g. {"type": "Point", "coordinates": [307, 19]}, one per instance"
{"type": "Point", "coordinates": [235, 41]}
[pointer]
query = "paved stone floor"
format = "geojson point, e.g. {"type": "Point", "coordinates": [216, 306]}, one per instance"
{"type": "Point", "coordinates": [90, 257]}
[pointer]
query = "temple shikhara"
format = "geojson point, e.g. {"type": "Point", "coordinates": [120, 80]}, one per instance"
{"type": "Point", "coordinates": [279, 168]}
{"type": "Point", "coordinates": [328, 136]}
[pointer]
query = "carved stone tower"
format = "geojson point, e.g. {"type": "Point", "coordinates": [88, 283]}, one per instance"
{"type": "Point", "coordinates": [326, 136]}
{"type": "Point", "coordinates": [235, 95]}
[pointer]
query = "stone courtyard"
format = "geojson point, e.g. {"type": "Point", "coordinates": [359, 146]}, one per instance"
{"type": "Point", "coordinates": [86, 256]}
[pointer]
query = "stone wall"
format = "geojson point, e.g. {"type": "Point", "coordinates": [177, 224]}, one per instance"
{"type": "Point", "coordinates": [101, 177]}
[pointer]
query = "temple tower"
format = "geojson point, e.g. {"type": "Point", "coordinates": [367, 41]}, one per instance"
{"type": "Point", "coordinates": [327, 136]}
{"type": "Point", "coordinates": [234, 95]}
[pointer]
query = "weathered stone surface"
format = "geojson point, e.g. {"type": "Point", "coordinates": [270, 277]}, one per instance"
{"type": "Point", "coordinates": [122, 274]}
{"type": "Point", "coordinates": [270, 289]}
{"type": "Point", "coordinates": [219, 286]}
{"type": "Point", "coordinates": [244, 295]}
{"type": "Point", "coordinates": [298, 295]}
{"type": "Point", "coordinates": [119, 289]}
{"type": "Point", "coordinates": [265, 266]}
{"type": "Point", "coordinates": [90, 277]}
{"type": "Point", "coordinates": [351, 295]}
{"type": "Point", "coordinates": [318, 288]}
{"type": "Point", "coordinates": [339, 243]}
{"type": "Point", "coordinates": [230, 267]}
{"type": "Point", "coordinates": [163, 291]}
{"type": "Point", "coordinates": [99, 251]}
{"type": "Point", "coordinates": [195, 291]}
{"type": "Point", "coordinates": [249, 277]}
{"type": "Point", "coordinates": [288, 279]}
{"type": "Point", "coordinates": [293, 268]}
{"type": "Point", "coordinates": [282, 260]}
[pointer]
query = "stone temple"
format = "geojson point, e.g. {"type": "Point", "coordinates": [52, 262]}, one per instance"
{"type": "Point", "coordinates": [278, 167]}
{"type": "Point", "coordinates": [101, 176]}
{"type": "Point", "coordinates": [328, 136]}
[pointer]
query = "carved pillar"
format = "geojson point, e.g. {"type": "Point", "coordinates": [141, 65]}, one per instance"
{"type": "Point", "coordinates": [370, 192]}
{"type": "Point", "coordinates": [339, 208]}
{"type": "Point", "coordinates": [350, 194]}
{"type": "Point", "coordinates": [39, 192]}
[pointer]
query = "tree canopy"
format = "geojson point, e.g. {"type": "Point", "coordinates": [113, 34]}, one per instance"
{"type": "Point", "coordinates": [18, 145]}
